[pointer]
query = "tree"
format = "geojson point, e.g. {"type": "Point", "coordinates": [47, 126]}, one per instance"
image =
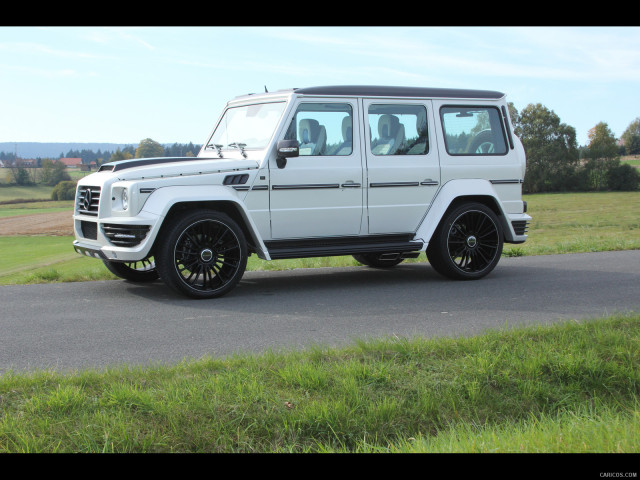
{"type": "Point", "coordinates": [120, 155]}
{"type": "Point", "coordinates": [551, 148]}
{"type": "Point", "coordinates": [602, 154]}
{"type": "Point", "coordinates": [631, 138]}
{"type": "Point", "coordinates": [149, 148]}
{"type": "Point", "coordinates": [53, 172]}
{"type": "Point", "coordinates": [602, 142]}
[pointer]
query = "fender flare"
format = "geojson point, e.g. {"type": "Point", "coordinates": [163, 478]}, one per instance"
{"type": "Point", "coordinates": [163, 199]}
{"type": "Point", "coordinates": [449, 193]}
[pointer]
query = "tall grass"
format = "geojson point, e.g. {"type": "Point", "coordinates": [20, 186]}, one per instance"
{"type": "Point", "coordinates": [572, 387]}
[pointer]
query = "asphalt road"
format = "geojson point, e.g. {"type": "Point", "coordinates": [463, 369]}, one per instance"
{"type": "Point", "coordinates": [69, 326]}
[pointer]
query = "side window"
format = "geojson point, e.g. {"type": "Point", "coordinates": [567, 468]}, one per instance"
{"type": "Point", "coordinates": [398, 129]}
{"type": "Point", "coordinates": [473, 130]}
{"type": "Point", "coordinates": [322, 129]}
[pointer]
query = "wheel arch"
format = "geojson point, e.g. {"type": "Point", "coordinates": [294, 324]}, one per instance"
{"type": "Point", "coordinates": [456, 193]}
{"type": "Point", "coordinates": [173, 203]}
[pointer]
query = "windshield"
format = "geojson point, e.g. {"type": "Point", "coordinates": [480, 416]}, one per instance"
{"type": "Point", "coordinates": [249, 126]}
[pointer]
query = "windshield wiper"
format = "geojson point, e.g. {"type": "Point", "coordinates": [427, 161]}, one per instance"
{"type": "Point", "coordinates": [240, 146]}
{"type": "Point", "coordinates": [217, 147]}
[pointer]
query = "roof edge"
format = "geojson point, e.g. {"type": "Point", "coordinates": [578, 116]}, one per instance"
{"type": "Point", "coordinates": [395, 91]}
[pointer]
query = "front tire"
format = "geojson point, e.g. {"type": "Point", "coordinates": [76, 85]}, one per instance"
{"type": "Point", "coordinates": [202, 255]}
{"type": "Point", "coordinates": [467, 244]}
{"type": "Point", "coordinates": [141, 271]}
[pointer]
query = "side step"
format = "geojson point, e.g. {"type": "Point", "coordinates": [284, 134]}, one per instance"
{"type": "Point", "coordinates": [391, 245]}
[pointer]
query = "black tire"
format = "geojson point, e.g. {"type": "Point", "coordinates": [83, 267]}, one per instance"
{"type": "Point", "coordinates": [467, 244]}
{"type": "Point", "coordinates": [141, 271]}
{"type": "Point", "coordinates": [202, 255]}
{"type": "Point", "coordinates": [375, 260]}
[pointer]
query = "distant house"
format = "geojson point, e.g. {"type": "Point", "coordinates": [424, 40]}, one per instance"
{"type": "Point", "coordinates": [71, 162]}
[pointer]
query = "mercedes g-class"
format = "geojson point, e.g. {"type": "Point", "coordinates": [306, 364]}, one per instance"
{"type": "Point", "coordinates": [380, 173]}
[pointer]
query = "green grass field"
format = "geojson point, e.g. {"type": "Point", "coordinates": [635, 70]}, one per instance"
{"type": "Point", "coordinates": [562, 223]}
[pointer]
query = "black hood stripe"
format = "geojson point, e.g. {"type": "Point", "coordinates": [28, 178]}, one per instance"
{"type": "Point", "coordinates": [142, 162]}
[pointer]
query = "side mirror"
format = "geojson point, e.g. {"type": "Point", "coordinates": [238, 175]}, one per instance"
{"type": "Point", "coordinates": [285, 149]}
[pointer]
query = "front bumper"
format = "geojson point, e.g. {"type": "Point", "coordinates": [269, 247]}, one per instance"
{"type": "Point", "coordinates": [116, 238]}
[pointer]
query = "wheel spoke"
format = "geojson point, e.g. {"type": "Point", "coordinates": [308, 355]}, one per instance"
{"type": "Point", "coordinates": [473, 241]}
{"type": "Point", "coordinates": [208, 255]}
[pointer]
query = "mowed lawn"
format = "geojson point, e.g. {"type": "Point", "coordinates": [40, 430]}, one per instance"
{"type": "Point", "coordinates": [562, 223]}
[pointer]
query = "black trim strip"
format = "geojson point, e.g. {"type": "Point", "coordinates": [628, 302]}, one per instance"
{"type": "Point", "coordinates": [332, 246]}
{"type": "Point", "coordinates": [395, 184]}
{"type": "Point", "coordinates": [350, 185]}
{"type": "Point", "coordinates": [147, 190]}
{"type": "Point", "coordinates": [430, 183]}
{"type": "Point", "coordinates": [504, 182]}
{"type": "Point", "coordinates": [305, 186]}
{"type": "Point", "coordinates": [506, 124]}
{"type": "Point", "coordinates": [260, 187]}
{"type": "Point", "coordinates": [241, 188]}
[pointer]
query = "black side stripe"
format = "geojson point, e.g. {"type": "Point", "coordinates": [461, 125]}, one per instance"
{"type": "Point", "coordinates": [305, 186]}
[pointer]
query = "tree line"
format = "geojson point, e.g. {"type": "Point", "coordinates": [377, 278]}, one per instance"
{"type": "Point", "coordinates": [555, 163]}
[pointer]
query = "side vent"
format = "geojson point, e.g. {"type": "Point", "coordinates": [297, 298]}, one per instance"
{"type": "Point", "coordinates": [235, 179]}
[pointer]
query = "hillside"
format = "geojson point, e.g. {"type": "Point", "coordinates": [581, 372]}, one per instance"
{"type": "Point", "coordinates": [53, 150]}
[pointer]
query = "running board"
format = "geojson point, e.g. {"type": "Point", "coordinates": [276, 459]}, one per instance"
{"type": "Point", "coordinates": [393, 245]}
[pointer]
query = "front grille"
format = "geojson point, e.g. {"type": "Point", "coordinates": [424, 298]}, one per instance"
{"type": "Point", "coordinates": [520, 226]}
{"type": "Point", "coordinates": [88, 200]}
{"type": "Point", "coordinates": [125, 235]}
{"type": "Point", "coordinates": [89, 230]}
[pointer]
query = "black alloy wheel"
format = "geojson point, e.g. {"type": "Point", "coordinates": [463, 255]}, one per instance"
{"type": "Point", "coordinates": [468, 243]}
{"type": "Point", "coordinates": [203, 255]}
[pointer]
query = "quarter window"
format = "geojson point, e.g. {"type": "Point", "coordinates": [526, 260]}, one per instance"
{"type": "Point", "coordinates": [473, 131]}
{"type": "Point", "coordinates": [324, 129]}
{"type": "Point", "coordinates": [398, 129]}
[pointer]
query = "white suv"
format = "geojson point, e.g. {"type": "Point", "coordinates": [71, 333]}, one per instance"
{"type": "Point", "coordinates": [380, 173]}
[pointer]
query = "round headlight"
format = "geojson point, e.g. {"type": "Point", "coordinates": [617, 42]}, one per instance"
{"type": "Point", "coordinates": [125, 199]}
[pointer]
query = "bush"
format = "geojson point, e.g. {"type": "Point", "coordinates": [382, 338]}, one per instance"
{"type": "Point", "coordinates": [65, 190]}
{"type": "Point", "coordinates": [623, 177]}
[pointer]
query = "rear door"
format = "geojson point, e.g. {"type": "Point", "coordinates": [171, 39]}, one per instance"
{"type": "Point", "coordinates": [403, 171]}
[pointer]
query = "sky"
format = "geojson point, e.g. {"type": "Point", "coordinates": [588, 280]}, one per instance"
{"type": "Point", "coordinates": [125, 84]}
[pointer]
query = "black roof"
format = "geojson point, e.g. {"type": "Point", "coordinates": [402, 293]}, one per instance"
{"type": "Point", "coordinates": [382, 91]}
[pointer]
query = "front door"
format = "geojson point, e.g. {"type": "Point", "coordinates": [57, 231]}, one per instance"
{"type": "Point", "coordinates": [402, 163]}
{"type": "Point", "coordinates": [319, 193]}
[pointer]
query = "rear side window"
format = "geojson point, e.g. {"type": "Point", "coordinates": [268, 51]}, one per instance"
{"type": "Point", "coordinates": [472, 130]}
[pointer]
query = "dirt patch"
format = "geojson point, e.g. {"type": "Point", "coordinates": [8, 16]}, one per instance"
{"type": "Point", "coordinates": [58, 223]}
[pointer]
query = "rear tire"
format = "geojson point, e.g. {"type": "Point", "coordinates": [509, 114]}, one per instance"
{"type": "Point", "coordinates": [202, 255]}
{"type": "Point", "coordinates": [467, 244]}
{"type": "Point", "coordinates": [375, 260]}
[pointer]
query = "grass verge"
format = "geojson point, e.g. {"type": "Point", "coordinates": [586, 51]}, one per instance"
{"type": "Point", "coordinates": [572, 387]}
